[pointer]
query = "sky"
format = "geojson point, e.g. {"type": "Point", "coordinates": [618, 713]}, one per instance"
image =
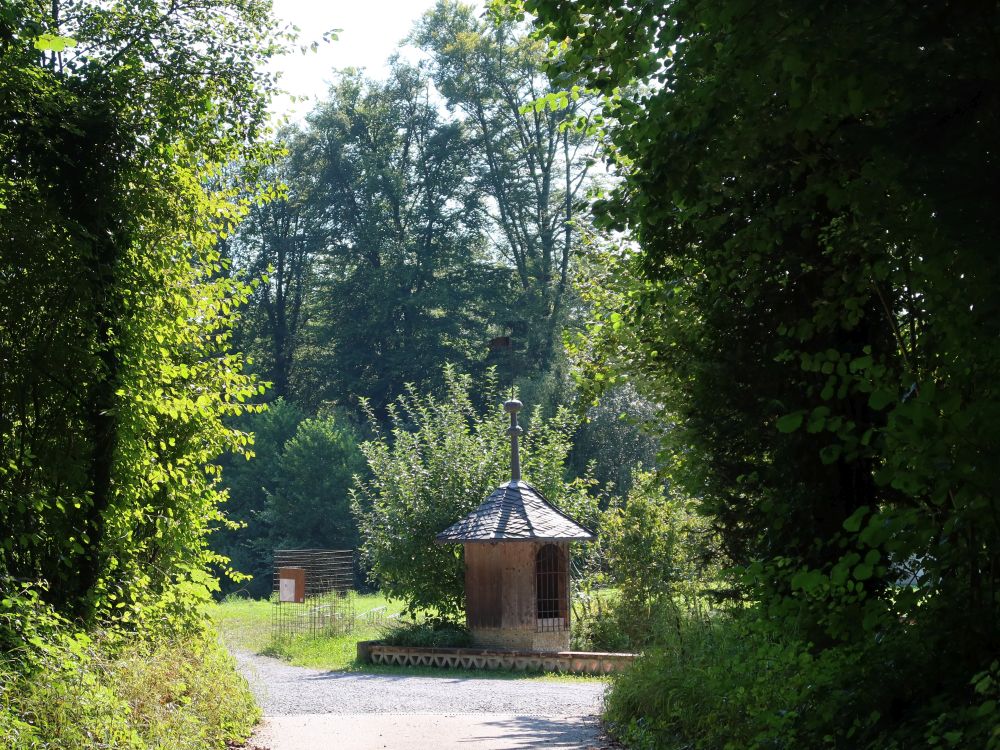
{"type": "Point", "coordinates": [370, 31]}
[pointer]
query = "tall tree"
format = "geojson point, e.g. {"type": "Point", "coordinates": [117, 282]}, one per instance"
{"type": "Point", "coordinates": [532, 169]}
{"type": "Point", "coordinates": [404, 281]}
{"type": "Point", "coordinates": [279, 242]}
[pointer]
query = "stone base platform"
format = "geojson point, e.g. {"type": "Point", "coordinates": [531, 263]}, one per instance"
{"type": "Point", "coordinates": [576, 662]}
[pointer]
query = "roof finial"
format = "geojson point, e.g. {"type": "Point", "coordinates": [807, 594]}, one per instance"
{"type": "Point", "coordinates": [513, 407]}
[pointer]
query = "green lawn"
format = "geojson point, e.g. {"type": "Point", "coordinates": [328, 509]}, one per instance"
{"type": "Point", "coordinates": [246, 625]}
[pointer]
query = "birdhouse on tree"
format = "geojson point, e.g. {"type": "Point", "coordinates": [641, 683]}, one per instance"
{"type": "Point", "coordinates": [517, 563]}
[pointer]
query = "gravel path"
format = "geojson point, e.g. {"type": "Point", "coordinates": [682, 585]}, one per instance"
{"type": "Point", "coordinates": [284, 690]}
{"type": "Point", "coordinates": [428, 731]}
{"type": "Point", "coordinates": [309, 709]}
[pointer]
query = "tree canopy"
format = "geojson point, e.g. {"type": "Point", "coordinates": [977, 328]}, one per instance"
{"type": "Point", "coordinates": [423, 215]}
{"type": "Point", "coordinates": [812, 300]}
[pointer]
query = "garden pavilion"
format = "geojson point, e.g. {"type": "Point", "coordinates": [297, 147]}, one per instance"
{"type": "Point", "coordinates": [517, 563]}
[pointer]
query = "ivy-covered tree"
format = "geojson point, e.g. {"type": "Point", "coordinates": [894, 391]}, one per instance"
{"type": "Point", "coordinates": [117, 372]}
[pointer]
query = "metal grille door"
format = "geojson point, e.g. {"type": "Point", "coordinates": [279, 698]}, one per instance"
{"type": "Point", "coordinates": [550, 588]}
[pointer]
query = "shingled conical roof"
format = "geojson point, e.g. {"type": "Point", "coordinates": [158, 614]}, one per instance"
{"type": "Point", "coordinates": [515, 511]}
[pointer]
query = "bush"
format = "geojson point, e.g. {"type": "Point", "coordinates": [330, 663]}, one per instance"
{"type": "Point", "coordinates": [713, 683]}
{"type": "Point", "coordinates": [596, 625]}
{"type": "Point", "coordinates": [442, 459]}
{"type": "Point", "coordinates": [657, 545]}
{"type": "Point", "coordinates": [605, 622]}
{"type": "Point", "coordinates": [294, 494]}
{"type": "Point", "coordinates": [310, 503]}
{"type": "Point", "coordinates": [658, 553]}
{"type": "Point", "coordinates": [434, 633]}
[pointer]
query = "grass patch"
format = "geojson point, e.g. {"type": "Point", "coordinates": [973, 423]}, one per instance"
{"type": "Point", "coordinates": [246, 625]}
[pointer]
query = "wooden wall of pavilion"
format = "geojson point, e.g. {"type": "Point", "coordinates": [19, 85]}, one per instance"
{"type": "Point", "coordinates": [500, 595]}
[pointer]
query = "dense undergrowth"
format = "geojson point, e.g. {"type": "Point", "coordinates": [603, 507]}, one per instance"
{"type": "Point", "coordinates": [730, 680]}
{"type": "Point", "coordinates": [752, 677]}
{"type": "Point", "coordinates": [181, 693]}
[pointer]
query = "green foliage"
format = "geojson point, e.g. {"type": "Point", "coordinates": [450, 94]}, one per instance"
{"type": "Point", "coordinates": [811, 297]}
{"type": "Point", "coordinates": [597, 622]}
{"type": "Point", "coordinates": [415, 228]}
{"type": "Point", "coordinates": [124, 693]}
{"type": "Point", "coordinates": [118, 381]}
{"type": "Point", "coordinates": [442, 458]}
{"type": "Point", "coordinates": [658, 552]}
{"type": "Point", "coordinates": [732, 680]}
{"type": "Point", "coordinates": [532, 168]}
{"type": "Point", "coordinates": [686, 692]}
{"type": "Point", "coordinates": [656, 545]}
{"type": "Point", "coordinates": [433, 633]}
{"type": "Point", "coordinates": [618, 435]}
{"type": "Point", "coordinates": [659, 555]}
{"type": "Point", "coordinates": [115, 311]}
{"type": "Point", "coordinates": [311, 505]}
{"type": "Point", "coordinates": [249, 484]}
{"type": "Point", "coordinates": [378, 265]}
{"type": "Point", "coordinates": [293, 494]}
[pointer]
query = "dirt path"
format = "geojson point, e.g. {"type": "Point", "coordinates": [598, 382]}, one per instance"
{"type": "Point", "coordinates": [308, 709]}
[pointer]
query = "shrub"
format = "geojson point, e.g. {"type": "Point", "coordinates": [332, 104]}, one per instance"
{"type": "Point", "coordinates": [731, 681]}
{"type": "Point", "coordinates": [596, 626]}
{"type": "Point", "coordinates": [295, 494]}
{"type": "Point", "coordinates": [443, 458]}
{"type": "Point", "coordinates": [658, 553]}
{"type": "Point", "coordinates": [714, 683]}
{"type": "Point", "coordinates": [433, 633]}
{"type": "Point", "coordinates": [656, 545]}
{"type": "Point", "coordinates": [310, 503]}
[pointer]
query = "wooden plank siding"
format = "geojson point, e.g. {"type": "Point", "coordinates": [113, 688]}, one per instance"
{"type": "Point", "coordinates": [500, 585]}
{"type": "Point", "coordinates": [483, 584]}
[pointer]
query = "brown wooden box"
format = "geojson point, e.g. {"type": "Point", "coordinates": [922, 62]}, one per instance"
{"type": "Point", "coordinates": [292, 585]}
